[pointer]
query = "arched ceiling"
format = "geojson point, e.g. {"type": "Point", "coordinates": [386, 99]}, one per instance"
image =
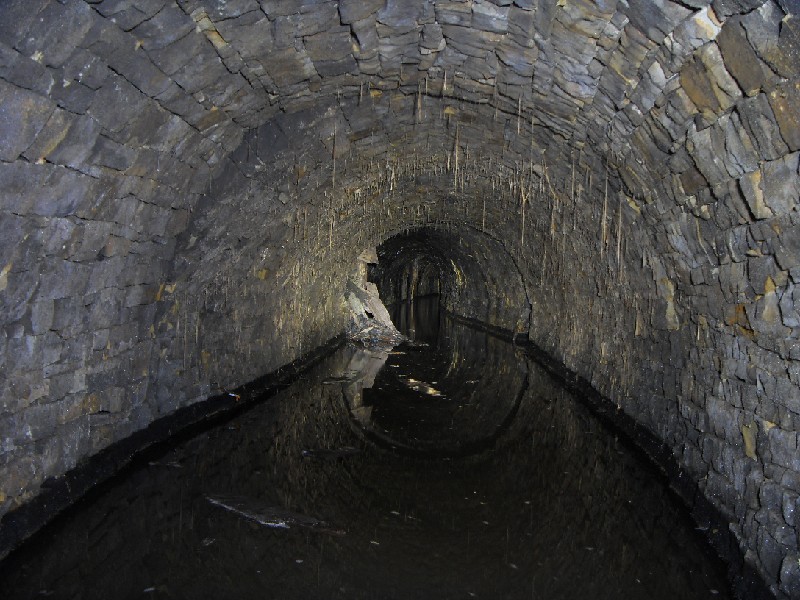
{"type": "Point", "coordinates": [667, 101]}
{"type": "Point", "coordinates": [185, 185]}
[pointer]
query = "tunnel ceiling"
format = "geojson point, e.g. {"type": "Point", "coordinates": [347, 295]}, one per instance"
{"type": "Point", "coordinates": [668, 103]}
{"type": "Point", "coordinates": [186, 186]}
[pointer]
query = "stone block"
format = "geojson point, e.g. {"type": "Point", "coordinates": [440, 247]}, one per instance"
{"type": "Point", "coordinates": [42, 312]}
{"type": "Point", "coordinates": [24, 354]}
{"type": "Point", "coordinates": [488, 16]}
{"type": "Point", "coordinates": [783, 448]}
{"type": "Point", "coordinates": [174, 57]}
{"type": "Point", "coordinates": [332, 52]}
{"type": "Point", "coordinates": [68, 314]}
{"type": "Point", "coordinates": [108, 153]}
{"type": "Point", "coordinates": [752, 190]}
{"type": "Point", "coordinates": [453, 13]}
{"type": "Point", "coordinates": [65, 139]}
{"type": "Point", "coordinates": [790, 574]}
{"type": "Point", "coordinates": [366, 34]}
{"type": "Point", "coordinates": [790, 504]}
{"type": "Point", "coordinates": [62, 279]}
{"type": "Point", "coordinates": [22, 71]}
{"type": "Point", "coordinates": [137, 68]}
{"type": "Point", "coordinates": [784, 101]}
{"type": "Point", "coordinates": [87, 240]}
{"type": "Point", "coordinates": [770, 553]}
{"type": "Point", "coordinates": [288, 67]}
{"type": "Point", "coordinates": [358, 10]}
{"type": "Point", "coordinates": [471, 42]}
{"type": "Point", "coordinates": [738, 150]}
{"type": "Point", "coordinates": [708, 85]}
{"type": "Point", "coordinates": [163, 29]}
{"type": "Point", "coordinates": [790, 306]}
{"type": "Point", "coordinates": [432, 39]}
{"type": "Point", "coordinates": [722, 419]}
{"type": "Point", "coordinates": [757, 118]}
{"type": "Point", "coordinates": [741, 60]}
{"type": "Point", "coordinates": [774, 44]}
{"type": "Point", "coordinates": [72, 96]}
{"type": "Point", "coordinates": [86, 68]}
{"type": "Point", "coordinates": [103, 309]}
{"type": "Point", "coordinates": [23, 114]}
{"type": "Point", "coordinates": [104, 274]}
{"type": "Point", "coordinates": [115, 102]}
{"type": "Point", "coordinates": [781, 184]}
{"type": "Point", "coordinates": [402, 15]}
{"type": "Point", "coordinates": [18, 16]}
{"type": "Point", "coordinates": [129, 13]}
{"type": "Point", "coordinates": [787, 246]}
{"type": "Point", "coordinates": [759, 269]}
{"type": "Point", "coordinates": [329, 45]}
{"type": "Point", "coordinates": [55, 44]}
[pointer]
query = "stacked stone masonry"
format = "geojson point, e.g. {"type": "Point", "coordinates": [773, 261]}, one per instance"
{"type": "Point", "coordinates": [186, 185]}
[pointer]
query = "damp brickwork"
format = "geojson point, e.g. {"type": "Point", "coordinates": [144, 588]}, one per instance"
{"type": "Point", "coordinates": [185, 187]}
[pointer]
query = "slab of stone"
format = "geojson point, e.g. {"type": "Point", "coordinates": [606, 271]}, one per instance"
{"type": "Point", "coordinates": [66, 139]}
{"type": "Point", "coordinates": [784, 101]}
{"type": "Point", "coordinates": [358, 10]}
{"type": "Point", "coordinates": [23, 114]}
{"type": "Point", "coordinates": [757, 118]}
{"type": "Point", "coordinates": [774, 34]}
{"type": "Point", "coordinates": [741, 60]}
{"type": "Point", "coordinates": [706, 82]}
{"type": "Point", "coordinates": [781, 183]}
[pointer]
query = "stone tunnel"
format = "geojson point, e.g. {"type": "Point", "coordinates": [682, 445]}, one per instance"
{"type": "Point", "coordinates": [187, 185]}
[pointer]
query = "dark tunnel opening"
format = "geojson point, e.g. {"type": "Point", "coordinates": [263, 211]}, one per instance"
{"type": "Point", "coordinates": [471, 274]}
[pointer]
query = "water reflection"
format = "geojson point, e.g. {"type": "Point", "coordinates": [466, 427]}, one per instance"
{"type": "Point", "coordinates": [502, 486]}
{"type": "Point", "coordinates": [450, 391]}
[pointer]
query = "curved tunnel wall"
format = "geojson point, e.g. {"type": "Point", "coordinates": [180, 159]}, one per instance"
{"type": "Point", "coordinates": [186, 185]}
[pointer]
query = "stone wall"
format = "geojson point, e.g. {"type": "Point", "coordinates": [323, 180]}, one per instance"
{"type": "Point", "coordinates": [185, 187]}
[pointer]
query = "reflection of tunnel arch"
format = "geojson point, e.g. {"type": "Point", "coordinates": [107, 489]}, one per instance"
{"type": "Point", "coordinates": [473, 273]}
{"type": "Point", "coordinates": [474, 383]}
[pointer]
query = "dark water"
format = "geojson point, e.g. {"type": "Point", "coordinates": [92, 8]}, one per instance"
{"type": "Point", "coordinates": [461, 470]}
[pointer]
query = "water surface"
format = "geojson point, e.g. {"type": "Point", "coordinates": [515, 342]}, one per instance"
{"type": "Point", "coordinates": [449, 467]}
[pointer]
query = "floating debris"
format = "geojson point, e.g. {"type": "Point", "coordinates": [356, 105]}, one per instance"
{"type": "Point", "coordinates": [412, 345]}
{"type": "Point", "coordinates": [172, 464]}
{"type": "Point", "coordinates": [331, 453]}
{"type": "Point", "coordinates": [421, 386]}
{"type": "Point", "coordinates": [271, 516]}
